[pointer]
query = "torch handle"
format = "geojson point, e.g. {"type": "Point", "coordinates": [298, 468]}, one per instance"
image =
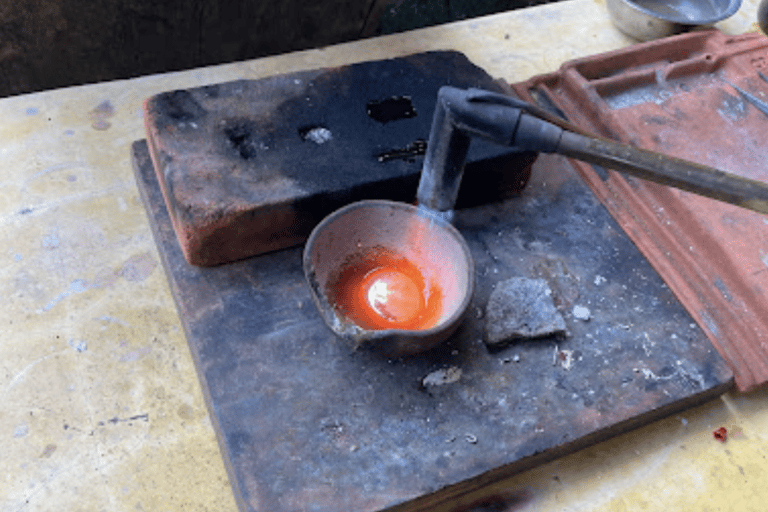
{"type": "Point", "coordinates": [667, 170]}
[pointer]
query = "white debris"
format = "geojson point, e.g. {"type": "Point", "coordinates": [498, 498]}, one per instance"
{"type": "Point", "coordinates": [562, 358]}
{"type": "Point", "coordinates": [581, 313]}
{"type": "Point", "coordinates": [78, 345]}
{"type": "Point", "coordinates": [319, 135]}
{"type": "Point", "coordinates": [441, 377]}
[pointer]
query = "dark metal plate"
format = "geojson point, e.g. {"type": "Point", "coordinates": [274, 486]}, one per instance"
{"type": "Point", "coordinates": [306, 425]}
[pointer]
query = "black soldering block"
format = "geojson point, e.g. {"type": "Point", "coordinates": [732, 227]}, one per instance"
{"type": "Point", "coordinates": [251, 166]}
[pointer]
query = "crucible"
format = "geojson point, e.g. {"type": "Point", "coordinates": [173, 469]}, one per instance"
{"type": "Point", "coordinates": [389, 276]}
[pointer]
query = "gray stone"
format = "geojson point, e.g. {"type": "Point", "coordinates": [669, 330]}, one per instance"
{"type": "Point", "coordinates": [521, 308]}
{"type": "Point", "coordinates": [442, 377]}
{"type": "Point", "coordinates": [582, 313]}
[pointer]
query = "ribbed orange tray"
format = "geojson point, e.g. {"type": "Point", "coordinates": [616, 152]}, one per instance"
{"type": "Point", "coordinates": [676, 96]}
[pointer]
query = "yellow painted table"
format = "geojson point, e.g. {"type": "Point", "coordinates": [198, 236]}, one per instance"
{"type": "Point", "coordinates": [100, 405]}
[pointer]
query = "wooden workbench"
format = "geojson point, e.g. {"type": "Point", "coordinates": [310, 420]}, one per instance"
{"type": "Point", "coordinates": [101, 406]}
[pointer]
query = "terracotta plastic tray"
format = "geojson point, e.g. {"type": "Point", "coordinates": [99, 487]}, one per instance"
{"type": "Point", "coordinates": [677, 96]}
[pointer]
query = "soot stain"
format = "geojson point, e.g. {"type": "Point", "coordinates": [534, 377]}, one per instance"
{"type": "Point", "coordinates": [180, 106]}
{"type": "Point", "coordinates": [100, 114]}
{"type": "Point", "coordinates": [129, 421]}
{"type": "Point", "coordinates": [409, 152]}
{"type": "Point", "coordinates": [731, 107]}
{"type": "Point", "coordinates": [391, 109]}
{"type": "Point", "coordinates": [138, 267]}
{"type": "Point", "coordinates": [48, 451]}
{"type": "Point", "coordinates": [240, 136]}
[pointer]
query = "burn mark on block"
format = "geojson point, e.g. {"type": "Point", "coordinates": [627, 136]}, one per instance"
{"type": "Point", "coordinates": [180, 106]}
{"type": "Point", "coordinates": [391, 109]}
{"type": "Point", "coordinates": [240, 136]}
{"type": "Point", "coordinates": [414, 149]}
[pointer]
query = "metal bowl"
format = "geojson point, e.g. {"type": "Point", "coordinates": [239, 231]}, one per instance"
{"type": "Point", "coordinates": [651, 19]}
{"type": "Point", "coordinates": [762, 16]}
{"type": "Point", "coordinates": [348, 243]}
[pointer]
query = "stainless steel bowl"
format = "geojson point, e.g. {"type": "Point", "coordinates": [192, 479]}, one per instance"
{"type": "Point", "coordinates": [652, 19]}
{"type": "Point", "coordinates": [762, 16]}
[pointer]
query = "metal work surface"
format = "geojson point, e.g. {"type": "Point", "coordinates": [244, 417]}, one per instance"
{"type": "Point", "coordinates": [306, 425]}
{"type": "Point", "coordinates": [251, 166]}
{"type": "Point", "coordinates": [696, 96]}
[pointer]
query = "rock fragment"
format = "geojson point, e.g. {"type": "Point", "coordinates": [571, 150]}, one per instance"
{"type": "Point", "coordinates": [582, 313]}
{"type": "Point", "coordinates": [521, 308]}
{"type": "Point", "coordinates": [442, 377]}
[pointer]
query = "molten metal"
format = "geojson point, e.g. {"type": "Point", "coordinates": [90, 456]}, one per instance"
{"type": "Point", "coordinates": [387, 291]}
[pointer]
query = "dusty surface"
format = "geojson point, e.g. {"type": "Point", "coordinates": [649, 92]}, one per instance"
{"type": "Point", "coordinates": [255, 337]}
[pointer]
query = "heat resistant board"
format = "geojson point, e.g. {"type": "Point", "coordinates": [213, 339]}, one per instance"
{"type": "Point", "coordinates": [306, 424]}
{"type": "Point", "coordinates": [251, 166]}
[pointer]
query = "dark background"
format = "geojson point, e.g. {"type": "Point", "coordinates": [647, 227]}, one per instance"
{"type": "Point", "coordinates": [46, 44]}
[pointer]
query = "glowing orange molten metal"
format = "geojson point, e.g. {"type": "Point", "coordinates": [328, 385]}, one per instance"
{"type": "Point", "coordinates": [386, 291]}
